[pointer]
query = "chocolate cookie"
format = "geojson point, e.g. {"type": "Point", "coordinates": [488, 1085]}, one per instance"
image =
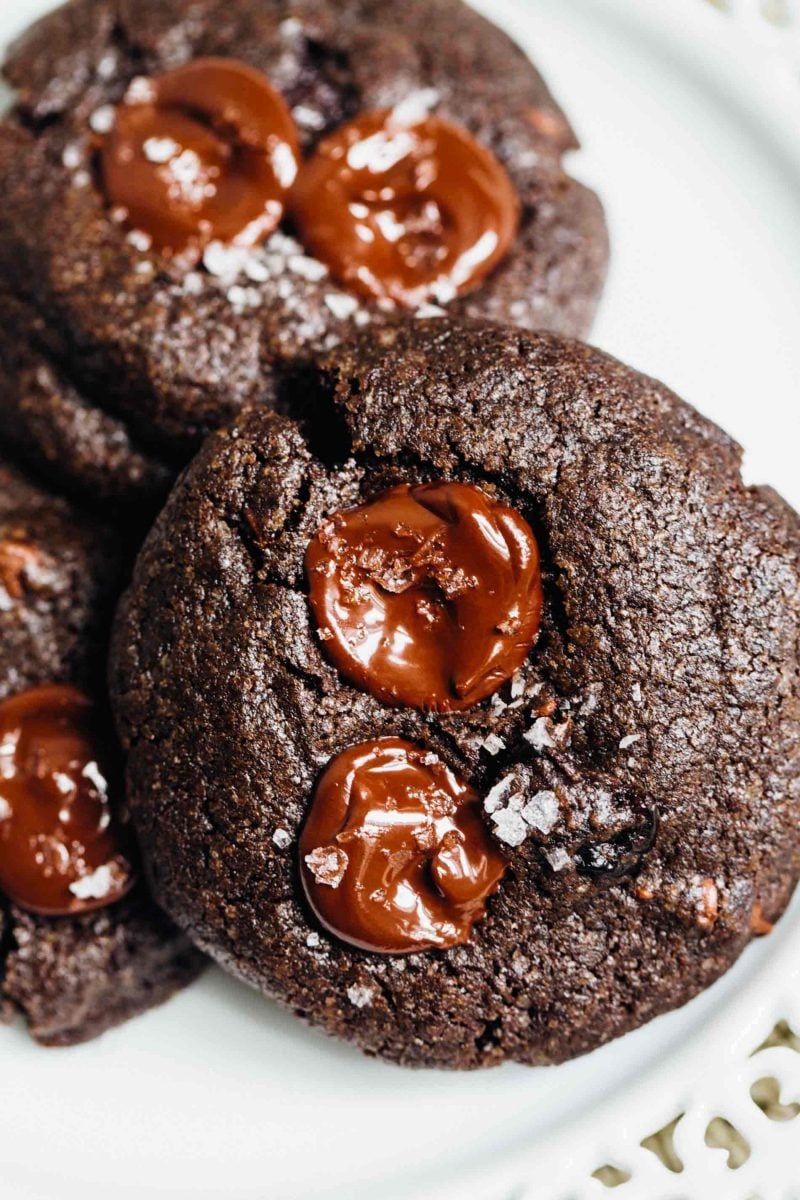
{"type": "Point", "coordinates": [82, 945]}
{"type": "Point", "coordinates": [511, 579]}
{"type": "Point", "coordinates": [74, 444]}
{"type": "Point", "coordinates": [153, 148]}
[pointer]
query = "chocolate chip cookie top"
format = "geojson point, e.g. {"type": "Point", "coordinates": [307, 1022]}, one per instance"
{"type": "Point", "coordinates": [406, 209]}
{"type": "Point", "coordinates": [639, 770]}
{"type": "Point", "coordinates": [171, 351]}
{"type": "Point", "coordinates": [206, 151]}
{"type": "Point", "coordinates": [394, 856]}
{"type": "Point", "coordinates": [60, 572]}
{"type": "Point", "coordinates": [62, 849]}
{"type": "Point", "coordinates": [83, 946]}
{"type": "Point", "coordinates": [428, 595]}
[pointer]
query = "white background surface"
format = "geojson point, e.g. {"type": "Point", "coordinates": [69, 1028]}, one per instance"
{"type": "Point", "coordinates": [220, 1095]}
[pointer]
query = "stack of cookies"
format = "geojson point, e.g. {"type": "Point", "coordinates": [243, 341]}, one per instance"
{"type": "Point", "coordinates": [454, 669]}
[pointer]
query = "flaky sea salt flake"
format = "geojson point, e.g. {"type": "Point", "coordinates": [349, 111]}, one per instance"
{"type": "Point", "coordinates": [559, 859]}
{"type": "Point", "coordinates": [103, 118]}
{"type": "Point", "coordinates": [141, 90]}
{"type": "Point", "coordinates": [360, 995]}
{"type": "Point", "coordinates": [327, 864]}
{"type": "Point", "coordinates": [72, 156]}
{"type": "Point", "coordinates": [160, 149]}
{"type": "Point", "coordinates": [107, 65]}
{"type": "Point", "coordinates": [96, 886]}
{"type": "Point", "coordinates": [193, 283]}
{"type": "Point", "coordinates": [340, 305]}
{"type": "Point", "coordinates": [307, 268]}
{"type": "Point", "coordinates": [140, 240]}
{"type": "Point", "coordinates": [509, 826]}
{"type": "Point", "coordinates": [541, 811]}
{"type": "Point", "coordinates": [498, 795]}
{"type": "Point", "coordinates": [307, 117]}
{"type": "Point", "coordinates": [538, 735]}
{"type": "Point", "coordinates": [413, 109]}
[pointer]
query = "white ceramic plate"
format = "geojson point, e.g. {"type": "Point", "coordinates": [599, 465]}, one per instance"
{"type": "Point", "coordinates": [691, 140]}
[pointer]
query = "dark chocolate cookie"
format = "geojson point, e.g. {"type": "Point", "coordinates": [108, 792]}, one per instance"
{"type": "Point", "coordinates": [74, 444]}
{"type": "Point", "coordinates": [155, 353]}
{"type": "Point", "coordinates": [638, 770]}
{"type": "Point", "coordinates": [111, 953]}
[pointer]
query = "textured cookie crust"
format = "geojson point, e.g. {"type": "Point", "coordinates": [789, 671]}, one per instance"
{"type": "Point", "coordinates": [660, 704]}
{"type": "Point", "coordinates": [71, 977]}
{"type": "Point", "coordinates": [72, 443]}
{"type": "Point", "coordinates": [172, 354]}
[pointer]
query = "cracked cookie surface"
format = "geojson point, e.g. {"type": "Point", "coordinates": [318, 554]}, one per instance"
{"type": "Point", "coordinates": [640, 771]}
{"type": "Point", "coordinates": [168, 353]}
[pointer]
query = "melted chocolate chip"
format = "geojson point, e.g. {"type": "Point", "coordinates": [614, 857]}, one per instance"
{"type": "Point", "coordinates": [428, 596]}
{"type": "Point", "coordinates": [394, 854]}
{"type": "Point", "coordinates": [409, 212]}
{"type": "Point", "coordinates": [621, 854]}
{"type": "Point", "coordinates": [17, 560]}
{"type": "Point", "coordinates": [208, 151]}
{"type": "Point", "coordinates": [61, 851]}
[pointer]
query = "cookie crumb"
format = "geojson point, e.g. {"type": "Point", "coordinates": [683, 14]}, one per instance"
{"type": "Point", "coordinates": [706, 902]}
{"type": "Point", "coordinates": [312, 941]}
{"type": "Point", "coordinates": [629, 740]}
{"type": "Point", "coordinates": [520, 965]}
{"type": "Point", "coordinates": [282, 838]}
{"type": "Point", "coordinates": [493, 744]}
{"type": "Point", "coordinates": [592, 699]}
